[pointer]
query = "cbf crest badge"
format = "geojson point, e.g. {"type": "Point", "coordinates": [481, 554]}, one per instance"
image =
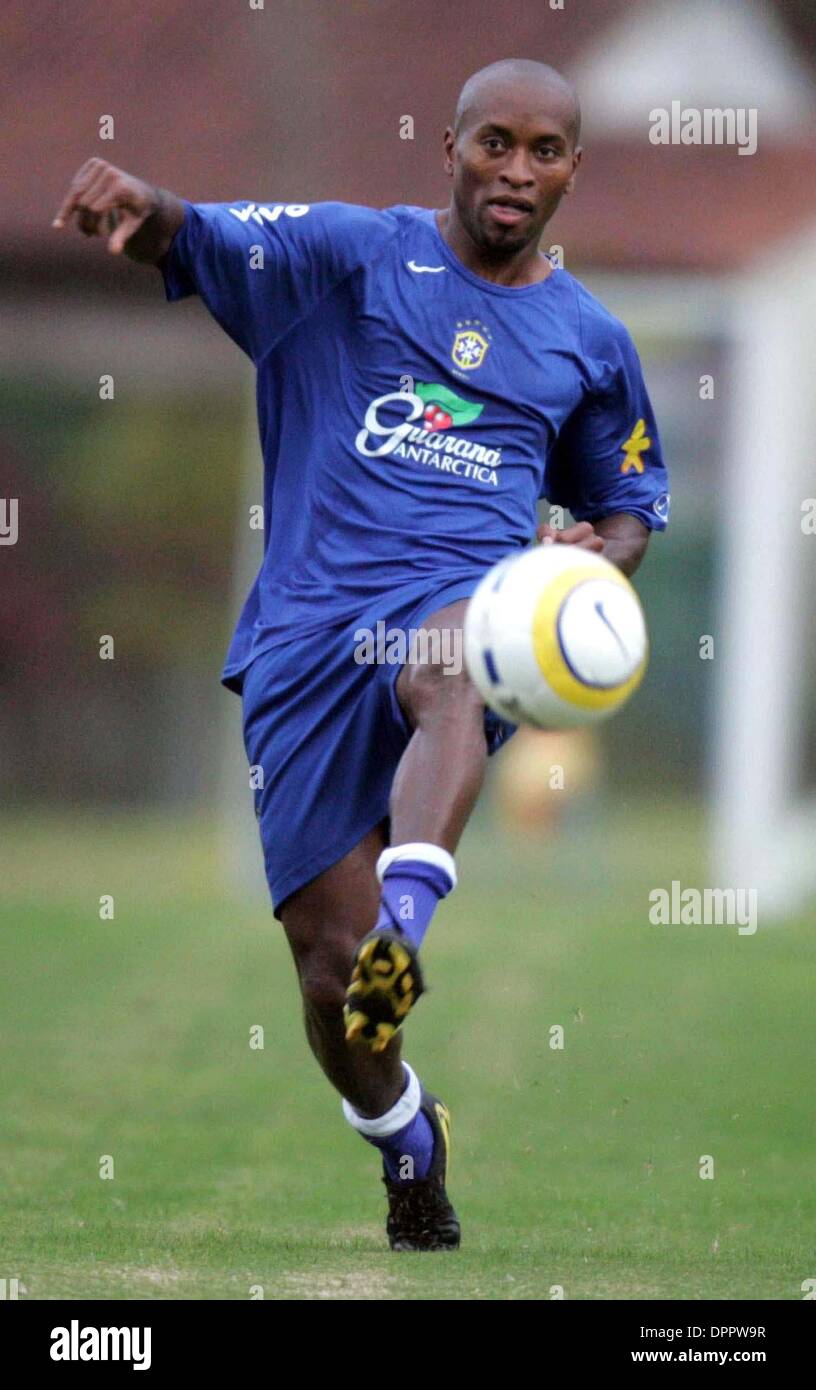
{"type": "Point", "coordinates": [470, 344]}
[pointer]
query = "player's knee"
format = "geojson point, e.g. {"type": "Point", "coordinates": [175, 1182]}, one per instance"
{"type": "Point", "coordinates": [324, 969]}
{"type": "Point", "coordinates": [434, 689]}
{"type": "Point", "coordinates": [322, 989]}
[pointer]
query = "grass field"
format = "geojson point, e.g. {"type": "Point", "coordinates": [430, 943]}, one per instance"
{"type": "Point", "coordinates": [233, 1167]}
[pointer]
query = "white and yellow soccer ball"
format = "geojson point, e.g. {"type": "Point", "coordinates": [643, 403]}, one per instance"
{"type": "Point", "coordinates": [555, 637]}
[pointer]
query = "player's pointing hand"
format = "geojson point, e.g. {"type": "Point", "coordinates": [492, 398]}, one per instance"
{"type": "Point", "coordinates": [106, 200]}
{"type": "Point", "coordinates": [136, 217]}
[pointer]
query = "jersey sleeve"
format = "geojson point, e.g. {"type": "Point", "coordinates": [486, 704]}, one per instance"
{"type": "Point", "coordinates": [260, 268]}
{"type": "Point", "coordinates": [607, 457]}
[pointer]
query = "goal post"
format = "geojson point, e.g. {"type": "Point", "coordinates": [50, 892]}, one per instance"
{"type": "Point", "coordinates": [763, 825]}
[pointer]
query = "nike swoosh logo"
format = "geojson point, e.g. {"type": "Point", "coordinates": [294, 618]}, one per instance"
{"type": "Point", "coordinates": [425, 269]}
{"type": "Point", "coordinates": [599, 610]}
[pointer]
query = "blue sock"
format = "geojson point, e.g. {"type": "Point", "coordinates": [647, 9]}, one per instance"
{"type": "Point", "coordinates": [407, 1155]}
{"type": "Point", "coordinates": [411, 889]}
{"type": "Point", "coordinates": [407, 1150]}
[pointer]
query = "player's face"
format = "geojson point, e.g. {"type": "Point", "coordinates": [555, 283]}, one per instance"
{"type": "Point", "coordinates": [511, 163]}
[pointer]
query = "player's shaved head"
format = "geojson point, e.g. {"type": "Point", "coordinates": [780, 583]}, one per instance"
{"type": "Point", "coordinates": [542, 82]}
{"type": "Point", "coordinates": [511, 153]}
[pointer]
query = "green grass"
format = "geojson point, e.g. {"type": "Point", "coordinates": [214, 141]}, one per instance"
{"type": "Point", "coordinates": [234, 1167]}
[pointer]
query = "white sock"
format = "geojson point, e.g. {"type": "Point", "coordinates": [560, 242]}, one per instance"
{"type": "Point", "coordinates": [425, 853]}
{"type": "Point", "coordinates": [400, 1114]}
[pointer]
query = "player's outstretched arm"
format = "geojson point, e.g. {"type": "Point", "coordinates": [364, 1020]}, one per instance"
{"type": "Point", "coordinates": [136, 217]}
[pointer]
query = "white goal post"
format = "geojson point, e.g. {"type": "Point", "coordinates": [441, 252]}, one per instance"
{"type": "Point", "coordinates": [763, 828]}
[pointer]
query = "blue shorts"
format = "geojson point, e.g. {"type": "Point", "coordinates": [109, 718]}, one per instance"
{"type": "Point", "coordinates": [328, 732]}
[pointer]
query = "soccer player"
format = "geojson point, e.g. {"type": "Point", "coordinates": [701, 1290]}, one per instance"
{"type": "Point", "coordinates": [423, 377]}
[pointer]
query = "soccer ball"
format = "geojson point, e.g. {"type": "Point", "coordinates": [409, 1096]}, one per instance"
{"type": "Point", "coordinates": [555, 637]}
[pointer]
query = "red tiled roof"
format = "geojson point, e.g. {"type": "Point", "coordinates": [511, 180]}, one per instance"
{"type": "Point", "coordinates": [302, 100]}
{"type": "Point", "coordinates": [688, 207]}
{"type": "Point", "coordinates": [217, 100]}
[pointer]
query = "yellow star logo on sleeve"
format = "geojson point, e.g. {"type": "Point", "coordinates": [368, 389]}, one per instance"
{"type": "Point", "coordinates": [637, 444]}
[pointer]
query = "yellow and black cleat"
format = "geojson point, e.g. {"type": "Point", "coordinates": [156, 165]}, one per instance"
{"type": "Point", "coordinates": [385, 984]}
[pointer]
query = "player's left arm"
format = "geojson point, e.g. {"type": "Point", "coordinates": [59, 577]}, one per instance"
{"type": "Point", "coordinates": [607, 464]}
{"type": "Point", "coordinates": [620, 538]}
{"type": "Point", "coordinates": [624, 540]}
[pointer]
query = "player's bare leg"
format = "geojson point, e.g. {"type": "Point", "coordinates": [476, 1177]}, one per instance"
{"type": "Point", "coordinates": [435, 789]}
{"type": "Point", "coordinates": [382, 1097]}
{"type": "Point", "coordinates": [324, 922]}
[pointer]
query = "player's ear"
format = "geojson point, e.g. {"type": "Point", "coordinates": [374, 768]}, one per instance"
{"type": "Point", "coordinates": [447, 158]}
{"type": "Point", "coordinates": [576, 160]}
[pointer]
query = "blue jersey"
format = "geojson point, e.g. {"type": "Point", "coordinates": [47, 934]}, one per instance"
{"type": "Point", "coordinates": [411, 412]}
